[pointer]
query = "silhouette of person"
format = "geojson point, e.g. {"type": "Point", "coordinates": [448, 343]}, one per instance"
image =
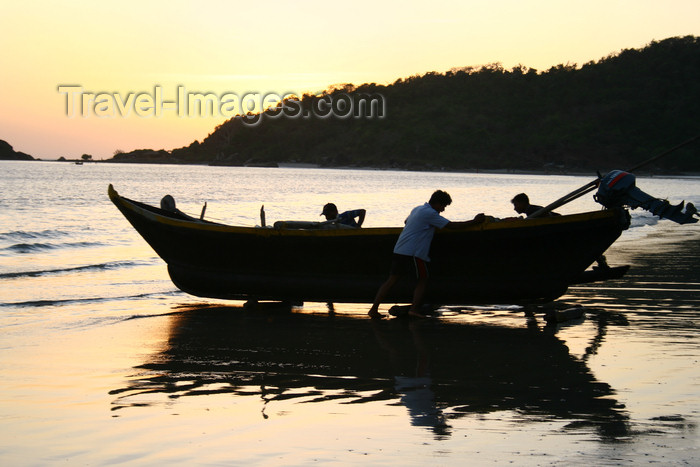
{"type": "Point", "coordinates": [521, 204]}
{"type": "Point", "coordinates": [412, 247]}
{"type": "Point", "coordinates": [330, 210]}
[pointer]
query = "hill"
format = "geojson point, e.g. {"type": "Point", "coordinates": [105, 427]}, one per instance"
{"type": "Point", "coordinates": [612, 113]}
{"type": "Point", "coordinates": [7, 153]}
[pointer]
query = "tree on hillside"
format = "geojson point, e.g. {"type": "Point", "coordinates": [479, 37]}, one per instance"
{"type": "Point", "coordinates": [603, 115]}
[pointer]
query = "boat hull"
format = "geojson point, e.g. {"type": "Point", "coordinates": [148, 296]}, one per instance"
{"type": "Point", "coordinates": [512, 261]}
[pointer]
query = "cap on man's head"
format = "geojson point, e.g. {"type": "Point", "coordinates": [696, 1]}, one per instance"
{"type": "Point", "coordinates": [329, 208]}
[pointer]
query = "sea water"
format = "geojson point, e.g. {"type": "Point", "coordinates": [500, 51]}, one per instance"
{"type": "Point", "coordinates": [104, 361]}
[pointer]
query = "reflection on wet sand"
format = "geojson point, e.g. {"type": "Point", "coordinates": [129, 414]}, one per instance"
{"type": "Point", "coordinates": [440, 370]}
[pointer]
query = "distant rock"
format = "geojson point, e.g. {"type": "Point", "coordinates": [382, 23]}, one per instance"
{"type": "Point", "coordinates": [144, 156]}
{"type": "Point", "coordinates": [9, 154]}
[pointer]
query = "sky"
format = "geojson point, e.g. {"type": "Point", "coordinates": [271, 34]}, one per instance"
{"type": "Point", "coordinates": [87, 77]}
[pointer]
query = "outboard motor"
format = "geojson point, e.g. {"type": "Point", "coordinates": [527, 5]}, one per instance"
{"type": "Point", "coordinates": [617, 189]}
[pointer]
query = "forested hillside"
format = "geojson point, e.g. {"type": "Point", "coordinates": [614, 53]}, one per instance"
{"type": "Point", "coordinates": [612, 113]}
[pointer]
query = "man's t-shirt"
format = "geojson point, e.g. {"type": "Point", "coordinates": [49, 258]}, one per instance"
{"type": "Point", "coordinates": [417, 234]}
{"type": "Point", "coordinates": [348, 218]}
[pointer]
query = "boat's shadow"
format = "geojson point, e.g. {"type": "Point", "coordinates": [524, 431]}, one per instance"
{"type": "Point", "coordinates": [439, 369]}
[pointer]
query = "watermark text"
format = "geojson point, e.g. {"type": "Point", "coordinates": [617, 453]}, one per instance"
{"type": "Point", "coordinates": [78, 102]}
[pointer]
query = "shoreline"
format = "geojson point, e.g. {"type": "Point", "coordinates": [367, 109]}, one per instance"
{"type": "Point", "coordinates": [287, 165]}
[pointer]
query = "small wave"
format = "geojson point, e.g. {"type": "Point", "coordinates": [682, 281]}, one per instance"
{"type": "Point", "coordinates": [27, 248]}
{"type": "Point", "coordinates": [642, 224]}
{"type": "Point", "coordinates": [643, 219]}
{"type": "Point", "coordinates": [90, 267]}
{"type": "Point", "coordinates": [155, 315]}
{"type": "Point", "coordinates": [22, 235]}
{"type": "Point", "coordinates": [68, 301]}
{"type": "Point", "coordinates": [23, 248]}
{"type": "Point", "coordinates": [74, 301]}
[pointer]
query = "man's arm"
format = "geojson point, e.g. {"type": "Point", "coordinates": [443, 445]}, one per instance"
{"type": "Point", "coordinates": [361, 216]}
{"type": "Point", "coordinates": [478, 219]}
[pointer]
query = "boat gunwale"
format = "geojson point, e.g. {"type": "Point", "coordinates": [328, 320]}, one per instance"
{"type": "Point", "coordinates": [157, 215]}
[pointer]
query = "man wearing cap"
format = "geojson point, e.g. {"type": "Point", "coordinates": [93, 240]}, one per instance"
{"type": "Point", "coordinates": [347, 218]}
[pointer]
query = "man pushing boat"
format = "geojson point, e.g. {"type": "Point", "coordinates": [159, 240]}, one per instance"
{"type": "Point", "coordinates": [412, 248]}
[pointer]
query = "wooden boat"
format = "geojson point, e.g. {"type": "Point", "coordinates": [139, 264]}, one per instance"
{"type": "Point", "coordinates": [508, 261]}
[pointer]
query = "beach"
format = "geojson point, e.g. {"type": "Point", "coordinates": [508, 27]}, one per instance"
{"type": "Point", "coordinates": [105, 362]}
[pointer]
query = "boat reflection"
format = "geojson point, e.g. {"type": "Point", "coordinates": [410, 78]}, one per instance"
{"type": "Point", "coordinates": [440, 370]}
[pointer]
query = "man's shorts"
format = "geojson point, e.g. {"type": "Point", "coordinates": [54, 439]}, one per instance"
{"type": "Point", "coordinates": [402, 265]}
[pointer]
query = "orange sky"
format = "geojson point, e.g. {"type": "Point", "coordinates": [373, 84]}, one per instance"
{"type": "Point", "coordinates": [126, 48]}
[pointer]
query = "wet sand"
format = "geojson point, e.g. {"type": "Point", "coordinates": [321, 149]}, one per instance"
{"type": "Point", "coordinates": [190, 383]}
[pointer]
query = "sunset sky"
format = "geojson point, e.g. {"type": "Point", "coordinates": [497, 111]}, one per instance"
{"type": "Point", "coordinates": [275, 46]}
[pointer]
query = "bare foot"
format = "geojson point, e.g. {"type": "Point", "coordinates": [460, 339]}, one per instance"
{"type": "Point", "coordinates": [374, 314]}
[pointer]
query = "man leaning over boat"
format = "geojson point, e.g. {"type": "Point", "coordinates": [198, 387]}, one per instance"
{"type": "Point", "coordinates": [330, 211]}
{"type": "Point", "coordinates": [521, 204]}
{"type": "Point", "coordinates": [412, 247]}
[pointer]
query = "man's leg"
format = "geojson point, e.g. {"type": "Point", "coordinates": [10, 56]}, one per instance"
{"type": "Point", "coordinates": [418, 294]}
{"type": "Point", "coordinates": [381, 293]}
